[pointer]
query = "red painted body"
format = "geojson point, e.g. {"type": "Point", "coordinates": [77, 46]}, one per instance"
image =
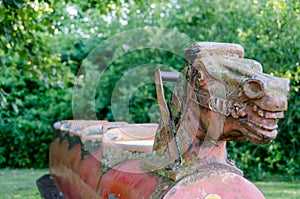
{"type": "Point", "coordinates": [82, 176]}
{"type": "Point", "coordinates": [128, 180]}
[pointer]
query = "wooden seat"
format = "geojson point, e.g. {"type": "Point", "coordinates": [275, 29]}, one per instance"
{"type": "Point", "coordinates": [131, 137]}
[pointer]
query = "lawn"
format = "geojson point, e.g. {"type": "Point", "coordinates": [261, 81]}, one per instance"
{"type": "Point", "coordinates": [284, 190]}
{"type": "Point", "coordinates": [21, 184]}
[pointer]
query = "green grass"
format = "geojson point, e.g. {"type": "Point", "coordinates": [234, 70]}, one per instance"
{"type": "Point", "coordinates": [21, 184]}
{"type": "Point", "coordinates": [278, 190]}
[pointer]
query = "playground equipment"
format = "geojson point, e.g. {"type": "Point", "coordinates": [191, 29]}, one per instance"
{"type": "Point", "coordinates": [219, 97]}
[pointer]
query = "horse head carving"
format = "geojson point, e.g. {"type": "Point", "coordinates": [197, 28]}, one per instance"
{"type": "Point", "coordinates": [219, 97]}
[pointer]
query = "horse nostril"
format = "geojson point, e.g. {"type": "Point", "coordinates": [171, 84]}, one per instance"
{"type": "Point", "coordinates": [253, 88]}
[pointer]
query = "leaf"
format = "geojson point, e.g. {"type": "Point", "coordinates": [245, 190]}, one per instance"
{"type": "Point", "coordinates": [3, 104]}
{"type": "Point", "coordinates": [15, 107]}
{"type": "Point", "coordinates": [3, 99]}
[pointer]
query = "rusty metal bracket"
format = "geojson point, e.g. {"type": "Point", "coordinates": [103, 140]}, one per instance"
{"type": "Point", "coordinates": [161, 76]}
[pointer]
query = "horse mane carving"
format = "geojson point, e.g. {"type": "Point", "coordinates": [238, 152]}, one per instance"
{"type": "Point", "coordinates": [219, 97]}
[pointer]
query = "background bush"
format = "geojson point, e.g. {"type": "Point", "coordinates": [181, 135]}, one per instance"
{"type": "Point", "coordinates": [43, 45]}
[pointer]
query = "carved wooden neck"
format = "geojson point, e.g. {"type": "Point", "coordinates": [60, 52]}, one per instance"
{"type": "Point", "coordinates": [215, 154]}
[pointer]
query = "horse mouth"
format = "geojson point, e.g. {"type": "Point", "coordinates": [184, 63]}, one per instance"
{"type": "Point", "coordinates": [261, 124]}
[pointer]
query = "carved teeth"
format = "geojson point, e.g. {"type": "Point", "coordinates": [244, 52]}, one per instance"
{"type": "Point", "coordinates": [267, 127]}
{"type": "Point", "coordinates": [255, 108]}
{"type": "Point", "coordinates": [241, 112]}
{"type": "Point", "coordinates": [274, 115]}
{"type": "Point", "coordinates": [260, 112]}
{"type": "Point", "coordinates": [267, 114]}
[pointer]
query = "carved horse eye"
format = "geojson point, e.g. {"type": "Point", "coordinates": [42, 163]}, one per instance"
{"type": "Point", "coordinates": [253, 88]}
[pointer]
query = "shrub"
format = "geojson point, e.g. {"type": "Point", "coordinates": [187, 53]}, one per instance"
{"type": "Point", "coordinates": [36, 60]}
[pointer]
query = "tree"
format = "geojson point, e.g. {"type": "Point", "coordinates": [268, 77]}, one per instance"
{"type": "Point", "coordinates": [43, 44]}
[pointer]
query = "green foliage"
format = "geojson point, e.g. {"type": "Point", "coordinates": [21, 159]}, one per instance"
{"type": "Point", "coordinates": [33, 84]}
{"type": "Point", "coordinates": [26, 120]}
{"type": "Point", "coordinates": [43, 45]}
